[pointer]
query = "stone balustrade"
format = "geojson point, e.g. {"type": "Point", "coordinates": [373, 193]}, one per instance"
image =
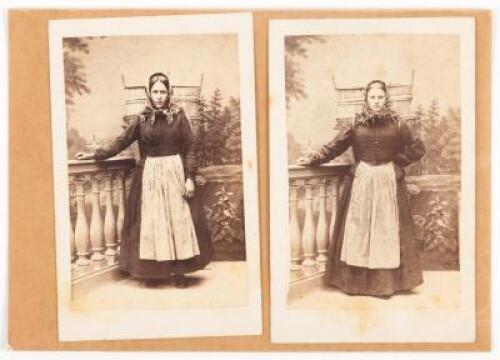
{"type": "Point", "coordinates": [97, 211]}
{"type": "Point", "coordinates": [313, 201]}
{"type": "Point", "coordinates": [98, 197]}
{"type": "Point", "coordinates": [314, 197]}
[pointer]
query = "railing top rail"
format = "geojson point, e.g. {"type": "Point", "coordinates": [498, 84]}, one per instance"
{"type": "Point", "coordinates": [435, 182]}
{"type": "Point", "coordinates": [306, 172]}
{"type": "Point", "coordinates": [212, 173]}
{"type": "Point", "coordinates": [447, 182]}
{"type": "Point", "coordinates": [221, 173]}
{"type": "Point", "coordinates": [91, 166]}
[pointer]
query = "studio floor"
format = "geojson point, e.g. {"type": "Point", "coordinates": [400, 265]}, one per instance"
{"type": "Point", "coordinates": [441, 289]}
{"type": "Point", "coordinates": [220, 284]}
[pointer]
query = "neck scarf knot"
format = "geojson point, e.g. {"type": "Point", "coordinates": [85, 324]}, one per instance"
{"type": "Point", "coordinates": [368, 117]}
{"type": "Point", "coordinates": [167, 114]}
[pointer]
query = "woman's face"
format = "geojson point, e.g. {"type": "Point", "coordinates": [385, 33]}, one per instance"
{"type": "Point", "coordinates": [376, 99]}
{"type": "Point", "coordinates": [158, 94]}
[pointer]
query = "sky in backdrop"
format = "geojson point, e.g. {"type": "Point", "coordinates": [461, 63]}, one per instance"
{"type": "Point", "coordinates": [183, 57]}
{"type": "Point", "coordinates": [355, 60]}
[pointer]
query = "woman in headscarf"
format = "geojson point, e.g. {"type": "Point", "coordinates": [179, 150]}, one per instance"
{"type": "Point", "coordinates": [164, 231]}
{"type": "Point", "coordinates": [373, 250]}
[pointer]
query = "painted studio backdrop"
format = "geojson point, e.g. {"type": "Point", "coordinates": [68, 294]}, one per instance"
{"type": "Point", "coordinates": [423, 77]}
{"type": "Point", "coordinates": [105, 80]}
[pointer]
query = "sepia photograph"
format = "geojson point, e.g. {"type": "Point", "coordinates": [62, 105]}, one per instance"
{"type": "Point", "coordinates": [154, 139]}
{"type": "Point", "coordinates": [372, 203]}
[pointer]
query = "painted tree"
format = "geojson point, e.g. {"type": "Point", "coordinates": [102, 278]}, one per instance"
{"type": "Point", "coordinates": [217, 130]}
{"type": "Point", "coordinates": [451, 141]}
{"type": "Point", "coordinates": [233, 141]}
{"type": "Point", "coordinates": [222, 153]}
{"type": "Point", "coordinates": [75, 83]}
{"type": "Point", "coordinates": [442, 139]}
{"type": "Point", "coordinates": [75, 79]}
{"type": "Point", "coordinates": [431, 137]}
{"type": "Point", "coordinates": [296, 49]}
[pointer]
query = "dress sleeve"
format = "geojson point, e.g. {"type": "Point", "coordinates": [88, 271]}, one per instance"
{"type": "Point", "coordinates": [190, 162]}
{"type": "Point", "coordinates": [340, 143]}
{"type": "Point", "coordinates": [127, 137]}
{"type": "Point", "coordinates": [412, 148]}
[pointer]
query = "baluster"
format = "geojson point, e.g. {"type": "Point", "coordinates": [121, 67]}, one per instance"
{"type": "Point", "coordinates": [121, 208]}
{"type": "Point", "coordinates": [295, 240]}
{"type": "Point", "coordinates": [335, 185]}
{"type": "Point", "coordinates": [82, 241]}
{"type": "Point", "coordinates": [109, 220]}
{"type": "Point", "coordinates": [308, 233]}
{"type": "Point", "coordinates": [96, 226]}
{"type": "Point", "coordinates": [71, 241]}
{"type": "Point", "coordinates": [340, 187]}
{"type": "Point", "coordinates": [71, 229]}
{"type": "Point", "coordinates": [322, 227]}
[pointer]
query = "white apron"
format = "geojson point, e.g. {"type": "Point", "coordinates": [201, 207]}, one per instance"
{"type": "Point", "coordinates": [371, 237]}
{"type": "Point", "coordinates": [167, 229]}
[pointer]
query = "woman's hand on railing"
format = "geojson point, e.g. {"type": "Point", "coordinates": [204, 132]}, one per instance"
{"type": "Point", "coordinates": [303, 161]}
{"type": "Point", "coordinates": [306, 159]}
{"type": "Point", "coordinates": [84, 156]}
{"type": "Point", "coordinates": [189, 191]}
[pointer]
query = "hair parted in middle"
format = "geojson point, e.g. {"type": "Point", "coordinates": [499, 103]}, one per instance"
{"type": "Point", "coordinates": [375, 84]}
{"type": "Point", "coordinates": [160, 77]}
{"type": "Point", "coordinates": [367, 116]}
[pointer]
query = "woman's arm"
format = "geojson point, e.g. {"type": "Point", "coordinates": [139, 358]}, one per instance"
{"type": "Point", "coordinates": [190, 162]}
{"type": "Point", "coordinates": [412, 147]}
{"type": "Point", "coordinates": [127, 137]}
{"type": "Point", "coordinates": [330, 151]}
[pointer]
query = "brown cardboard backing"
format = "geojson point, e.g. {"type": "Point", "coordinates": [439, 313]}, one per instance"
{"type": "Point", "coordinates": [32, 276]}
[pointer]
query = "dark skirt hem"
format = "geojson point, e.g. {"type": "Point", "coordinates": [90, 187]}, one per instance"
{"type": "Point", "coordinates": [354, 280]}
{"type": "Point", "coordinates": [374, 292]}
{"type": "Point", "coordinates": [129, 260]}
{"type": "Point", "coordinates": [170, 268]}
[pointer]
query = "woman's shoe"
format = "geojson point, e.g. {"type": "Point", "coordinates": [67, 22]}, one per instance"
{"type": "Point", "coordinates": [180, 281]}
{"type": "Point", "coordinates": [383, 297]}
{"type": "Point", "coordinates": [151, 283]}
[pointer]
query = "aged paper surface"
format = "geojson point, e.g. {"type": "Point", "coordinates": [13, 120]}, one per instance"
{"type": "Point", "coordinates": [211, 54]}
{"type": "Point", "coordinates": [318, 70]}
{"type": "Point", "coordinates": [31, 245]}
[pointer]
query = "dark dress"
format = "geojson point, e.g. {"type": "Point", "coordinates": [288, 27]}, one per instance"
{"type": "Point", "coordinates": [375, 144]}
{"type": "Point", "coordinates": [158, 138]}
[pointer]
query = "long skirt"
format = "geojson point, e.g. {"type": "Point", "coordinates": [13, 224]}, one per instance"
{"type": "Point", "coordinates": [358, 280]}
{"type": "Point", "coordinates": [171, 255]}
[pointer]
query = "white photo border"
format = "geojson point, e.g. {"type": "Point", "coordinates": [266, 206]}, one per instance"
{"type": "Point", "coordinates": [394, 326]}
{"type": "Point", "coordinates": [123, 324]}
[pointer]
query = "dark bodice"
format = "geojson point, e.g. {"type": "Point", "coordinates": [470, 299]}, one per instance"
{"type": "Point", "coordinates": [161, 138]}
{"type": "Point", "coordinates": [157, 138]}
{"type": "Point", "coordinates": [376, 144]}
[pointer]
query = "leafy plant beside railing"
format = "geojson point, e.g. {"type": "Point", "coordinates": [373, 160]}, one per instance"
{"type": "Point", "coordinates": [225, 218]}
{"type": "Point", "coordinates": [436, 228]}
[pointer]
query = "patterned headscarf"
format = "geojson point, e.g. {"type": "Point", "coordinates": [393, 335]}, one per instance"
{"type": "Point", "coordinates": [369, 117]}
{"type": "Point", "coordinates": [165, 112]}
